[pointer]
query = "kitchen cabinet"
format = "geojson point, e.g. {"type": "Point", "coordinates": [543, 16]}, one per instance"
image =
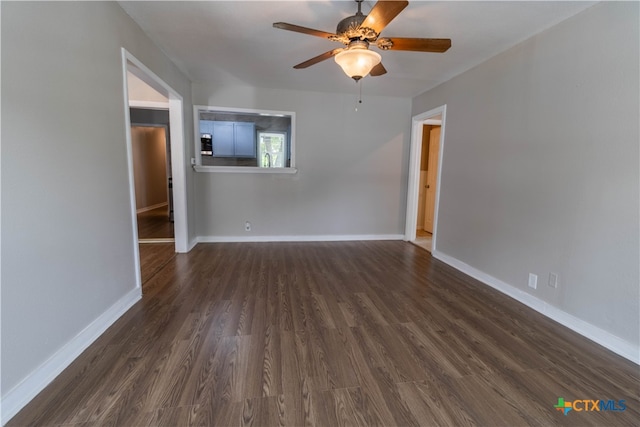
{"type": "Point", "coordinates": [245, 139]}
{"type": "Point", "coordinates": [206, 126]}
{"type": "Point", "coordinates": [223, 139]}
{"type": "Point", "coordinates": [231, 139]}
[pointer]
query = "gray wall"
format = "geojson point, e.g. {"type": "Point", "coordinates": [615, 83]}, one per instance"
{"type": "Point", "coordinates": [540, 170]}
{"type": "Point", "coordinates": [352, 169]}
{"type": "Point", "coordinates": [67, 237]}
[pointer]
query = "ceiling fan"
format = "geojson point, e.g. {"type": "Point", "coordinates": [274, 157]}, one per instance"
{"type": "Point", "coordinates": [357, 32]}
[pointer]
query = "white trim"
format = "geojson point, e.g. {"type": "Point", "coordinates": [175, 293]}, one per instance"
{"type": "Point", "coordinates": [158, 240]}
{"type": "Point", "coordinates": [606, 339]}
{"type": "Point", "coordinates": [411, 221]}
{"type": "Point", "coordinates": [242, 169]}
{"type": "Point", "coordinates": [152, 207]}
{"type": "Point", "coordinates": [311, 238]}
{"type": "Point", "coordinates": [433, 122]}
{"type": "Point", "coordinates": [152, 105]}
{"type": "Point", "coordinates": [219, 109]}
{"type": "Point", "coordinates": [16, 398]}
{"type": "Point", "coordinates": [177, 137]}
{"type": "Point", "coordinates": [196, 132]}
{"type": "Point", "coordinates": [130, 171]}
{"type": "Point", "coordinates": [178, 173]}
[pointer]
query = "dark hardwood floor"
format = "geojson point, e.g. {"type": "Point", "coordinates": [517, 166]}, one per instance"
{"type": "Point", "coordinates": [348, 333]}
{"type": "Point", "coordinates": [155, 224]}
{"type": "Point", "coordinates": [153, 257]}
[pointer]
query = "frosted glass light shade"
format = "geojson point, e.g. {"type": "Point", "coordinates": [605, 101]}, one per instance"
{"type": "Point", "coordinates": [357, 63]}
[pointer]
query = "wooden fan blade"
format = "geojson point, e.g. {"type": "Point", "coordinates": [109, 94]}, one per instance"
{"type": "Point", "coordinates": [318, 58]}
{"type": "Point", "coordinates": [378, 70]}
{"type": "Point", "coordinates": [303, 30]}
{"type": "Point", "coordinates": [382, 13]}
{"type": "Point", "coordinates": [420, 45]}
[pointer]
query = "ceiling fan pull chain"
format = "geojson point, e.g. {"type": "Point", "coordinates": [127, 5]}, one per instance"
{"type": "Point", "coordinates": [359, 94]}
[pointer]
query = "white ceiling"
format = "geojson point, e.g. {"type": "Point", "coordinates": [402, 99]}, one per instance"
{"type": "Point", "coordinates": [234, 43]}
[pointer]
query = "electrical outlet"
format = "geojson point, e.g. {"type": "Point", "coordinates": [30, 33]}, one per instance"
{"type": "Point", "coordinates": [533, 280]}
{"type": "Point", "coordinates": [553, 280]}
{"type": "Point", "coordinates": [247, 226]}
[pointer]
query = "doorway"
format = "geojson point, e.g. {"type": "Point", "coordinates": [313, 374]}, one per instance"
{"type": "Point", "coordinates": [424, 178]}
{"type": "Point", "coordinates": [171, 100]}
{"type": "Point", "coordinates": [152, 174]}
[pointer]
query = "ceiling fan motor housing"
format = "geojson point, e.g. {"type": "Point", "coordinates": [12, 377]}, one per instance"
{"type": "Point", "coordinates": [350, 23]}
{"type": "Point", "coordinates": [350, 29]}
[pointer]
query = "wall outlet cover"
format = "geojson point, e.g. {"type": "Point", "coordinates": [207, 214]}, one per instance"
{"type": "Point", "coordinates": [533, 281]}
{"type": "Point", "coordinates": [553, 280]}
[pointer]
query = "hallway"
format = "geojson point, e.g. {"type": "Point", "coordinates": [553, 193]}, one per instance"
{"type": "Point", "coordinates": [155, 224]}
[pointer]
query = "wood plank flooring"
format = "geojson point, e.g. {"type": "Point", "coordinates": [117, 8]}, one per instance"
{"type": "Point", "coordinates": [155, 224]}
{"type": "Point", "coordinates": [331, 334]}
{"type": "Point", "coordinates": [153, 257]}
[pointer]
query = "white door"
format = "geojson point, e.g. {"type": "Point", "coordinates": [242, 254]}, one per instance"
{"type": "Point", "coordinates": [432, 176]}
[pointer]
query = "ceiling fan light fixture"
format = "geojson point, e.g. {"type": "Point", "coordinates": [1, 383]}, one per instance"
{"type": "Point", "coordinates": [357, 61]}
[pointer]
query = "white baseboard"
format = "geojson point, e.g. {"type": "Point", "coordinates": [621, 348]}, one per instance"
{"type": "Point", "coordinates": [158, 240]}
{"type": "Point", "coordinates": [319, 238]}
{"type": "Point", "coordinates": [192, 244]}
{"type": "Point", "coordinates": [606, 339]}
{"type": "Point", "coordinates": [16, 398]}
{"type": "Point", "coordinates": [152, 207]}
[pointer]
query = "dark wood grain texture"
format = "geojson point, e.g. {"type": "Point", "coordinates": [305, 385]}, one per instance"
{"type": "Point", "coordinates": [383, 13]}
{"type": "Point", "coordinates": [319, 58]}
{"type": "Point", "coordinates": [155, 224]}
{"type": "Point", "coordinates": [420, 45]}
{"type": "Point", "coordinates": [303, 30]}
{"type": "Point", "coordinates": [153, 257]}
{"type": "Point", "coordinates": [328, 334]}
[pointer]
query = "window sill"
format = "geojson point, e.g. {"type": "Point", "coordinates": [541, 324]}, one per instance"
{"type": "Point", "coordinates": [243, 169]}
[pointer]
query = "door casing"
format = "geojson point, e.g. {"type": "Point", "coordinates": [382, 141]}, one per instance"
{"type": "Point", "coordinates": [178, 168]}
{"type": "Point", "coordinates": [413, 181]}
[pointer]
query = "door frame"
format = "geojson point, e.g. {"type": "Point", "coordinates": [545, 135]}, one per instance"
{"type": "Point", "coordinates": [413, 182]}
{"type": "Point", "coordinates": [178, 167]}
